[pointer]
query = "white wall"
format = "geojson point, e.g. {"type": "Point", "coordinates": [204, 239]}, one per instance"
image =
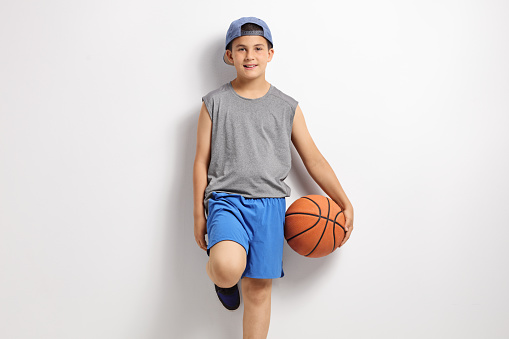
{"type": "Point", "coordinates": [99, 101]}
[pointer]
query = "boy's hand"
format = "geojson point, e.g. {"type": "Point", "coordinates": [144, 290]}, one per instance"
{"type": "Point", "coordinates": [200, 229]}
{"type": "Point", "coordinates": [348, 212]}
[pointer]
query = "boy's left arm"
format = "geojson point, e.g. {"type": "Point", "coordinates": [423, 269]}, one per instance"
{"type": "Point", "coordinates": [319, 169]}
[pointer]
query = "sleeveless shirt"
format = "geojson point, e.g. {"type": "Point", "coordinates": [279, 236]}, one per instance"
{"type": "Point", "coordinates": [250, 151]}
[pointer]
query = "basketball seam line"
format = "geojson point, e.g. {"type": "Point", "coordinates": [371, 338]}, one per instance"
{"type": "Point", "coordinates": [315, 215]}
{"type": "Point", "coordinates": [324, 229]}
{"type": "Point", "coordinates": [334, 230]}
{"type": "Point", "coordinates": [316, 223]}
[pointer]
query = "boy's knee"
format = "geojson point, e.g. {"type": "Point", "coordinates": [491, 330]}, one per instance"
{"type": "Point", "coordinates": [227, 270]}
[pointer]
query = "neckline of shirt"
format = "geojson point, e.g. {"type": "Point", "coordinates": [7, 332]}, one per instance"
{"type": "Point", "coordinates": [250, 99]}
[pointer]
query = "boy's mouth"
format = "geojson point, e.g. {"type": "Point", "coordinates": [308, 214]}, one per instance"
{"type": "Point", "coordinates": [250, 66]}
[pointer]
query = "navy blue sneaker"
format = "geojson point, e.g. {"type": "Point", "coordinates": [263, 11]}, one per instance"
{"type": "Point", "coordinates": [229, 297]}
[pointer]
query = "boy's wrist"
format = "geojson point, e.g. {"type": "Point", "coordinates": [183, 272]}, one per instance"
{"type": "Point", "coordinates": [348, 207]}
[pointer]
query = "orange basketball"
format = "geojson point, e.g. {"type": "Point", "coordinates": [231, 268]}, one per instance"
{"type": "Point", "coordinates": [314, 226]}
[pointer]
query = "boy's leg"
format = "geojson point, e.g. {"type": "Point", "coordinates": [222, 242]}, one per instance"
{"type": "Point", "coordinates": [256, 294]}
{"type": "Point", "coordinates": [226, 264]}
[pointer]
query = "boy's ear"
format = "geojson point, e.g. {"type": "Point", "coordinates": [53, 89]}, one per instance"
{"type": "Point", "coordinates": [229, 55]}
{"type": "Point", "coordinates": [271, 54]}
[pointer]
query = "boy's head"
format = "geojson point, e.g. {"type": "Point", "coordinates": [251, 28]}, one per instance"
{"type": "Point", "coordinates": [250, 56]}
{"type": "Point", "coordinates": [256, 33]}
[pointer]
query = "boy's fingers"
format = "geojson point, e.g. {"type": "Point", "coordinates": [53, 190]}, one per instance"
{"type": "Point", "coordinates": [349, 229]}
{"type": "Point", "coordinates": [344, 240]}
{"type": "Point", "coordinates": [348, 223]}
{"type": "Point", "coordinates": [201, 243]}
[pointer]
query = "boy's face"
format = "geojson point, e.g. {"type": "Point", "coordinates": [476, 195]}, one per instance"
{"type": "Point", "coordinates": [248, 50]}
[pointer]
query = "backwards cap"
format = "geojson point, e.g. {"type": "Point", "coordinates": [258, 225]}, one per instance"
{"type": "Point", "coordinates": [235, 31]}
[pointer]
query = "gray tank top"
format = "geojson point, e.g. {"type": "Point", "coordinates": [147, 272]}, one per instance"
{"type": "Point", "coordinates": [251, 142]}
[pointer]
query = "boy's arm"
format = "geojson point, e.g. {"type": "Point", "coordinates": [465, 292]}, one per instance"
{"type": "Point", "coordinates": [319, 169]}
{"type": "Point", "coordinates": [201, 160]}
{"type": "Point", "coordinates": [200, 169]}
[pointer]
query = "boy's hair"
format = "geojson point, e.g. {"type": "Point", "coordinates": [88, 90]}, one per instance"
{"type": "Point", "coordinates": [250, 27]}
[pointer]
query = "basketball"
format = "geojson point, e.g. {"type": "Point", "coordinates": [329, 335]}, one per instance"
{"type": "Point", "coordinates": [314, 226]}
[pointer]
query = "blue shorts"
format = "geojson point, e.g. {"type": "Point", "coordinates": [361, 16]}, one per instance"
{"type": "Point", "coordinates": [255, 223]}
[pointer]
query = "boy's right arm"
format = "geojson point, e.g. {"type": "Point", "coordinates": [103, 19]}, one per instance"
{"type": "Point", "coordinates": [200, 170]}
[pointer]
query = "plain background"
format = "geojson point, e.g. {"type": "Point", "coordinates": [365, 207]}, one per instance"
{"type": "Point", "coordinates": [99, 100]}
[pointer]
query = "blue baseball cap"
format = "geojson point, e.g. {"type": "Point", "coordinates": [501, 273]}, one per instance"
{"type": "Point", "coordinates": [235, 31]}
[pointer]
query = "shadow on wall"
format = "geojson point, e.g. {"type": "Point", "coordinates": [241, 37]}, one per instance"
{"type": "Point", "coordinates": [189, 307]}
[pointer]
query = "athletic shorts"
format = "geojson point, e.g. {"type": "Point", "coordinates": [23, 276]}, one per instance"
{"type": "Point", "coordinates": [255, 223]}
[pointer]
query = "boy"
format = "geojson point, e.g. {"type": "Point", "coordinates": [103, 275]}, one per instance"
{"type": "Point", "coordinates": [242, 158]}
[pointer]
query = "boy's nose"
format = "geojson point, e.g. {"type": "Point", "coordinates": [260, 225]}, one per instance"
{"type": "Point", "coordinates": [248, 55]}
